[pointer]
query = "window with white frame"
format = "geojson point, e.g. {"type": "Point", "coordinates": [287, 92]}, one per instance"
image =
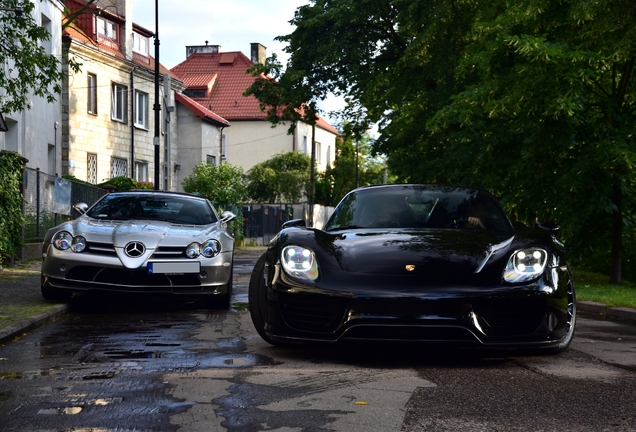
{"type": "Point", "coordinates": [140, 44]}
{"type": "Point", "coordinates": [107, 28]}
{"type": "Point", "coordinates": [328, 156]}
{"type": "Point", "coordinates": [91, 168]}
{"type": "Point", "coordinates": [318, 152]}
{"type": "Point", "coordinates": [92, 93]}
{"type": "Point", "coordinates": [141, 109]}
{"type": "Point", "coordinates": [118, 167]}
{"type": "Point", "coordinates": [224, 147]}
{"type": "Point", "coordinates": [119, 102]}
{"type": "Point", "coordinates": [141, 171]}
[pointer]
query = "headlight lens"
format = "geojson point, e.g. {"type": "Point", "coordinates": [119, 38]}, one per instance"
{"type": "Point", "coordinates": [525, 265]}
{"type": "Point", "coordinates": [210, 248]}
{"type": "Point", "coordinates": [62, 240]}
{"type": "Point", "coordinates": [193, 250]}
{"type": "Point", "coordinates": [299, 262]}
{"type": "Point", "coordinates": [79, 244]}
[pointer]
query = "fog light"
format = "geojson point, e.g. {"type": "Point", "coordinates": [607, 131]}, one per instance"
{"type": "Point", "coordinates": [203, 275]}
{"type": "Point", "coordinates": [62, 267]}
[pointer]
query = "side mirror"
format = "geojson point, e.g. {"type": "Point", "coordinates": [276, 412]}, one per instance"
{"type": "Point", "coordinates": [548, 226]}
{"type": "Point", "coordinates": [294, 223]}
{"type": "Point", "coordinates": [227, 216]}
{"type": "Point", "coordinates": [81, 208]}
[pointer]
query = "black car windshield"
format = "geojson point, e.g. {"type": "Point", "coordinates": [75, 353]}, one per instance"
{"type": "Point", "coordinates": [419, 206]}
{"type": "Point", "coordinates": [171, 208]}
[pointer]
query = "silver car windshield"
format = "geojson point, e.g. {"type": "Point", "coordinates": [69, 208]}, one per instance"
{"type": "Point", "coordinates": [175, 209]}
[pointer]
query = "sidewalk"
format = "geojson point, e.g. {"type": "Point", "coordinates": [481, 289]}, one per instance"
{"type": "Point", "coordinates": [22, 307]}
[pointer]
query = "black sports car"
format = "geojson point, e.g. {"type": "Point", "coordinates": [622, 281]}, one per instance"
{"type": "Point", "coordinates": [415, 263]}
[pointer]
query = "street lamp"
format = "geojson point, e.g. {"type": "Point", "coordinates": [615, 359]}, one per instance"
{"type": "Point", "coordinates": [157, 105]}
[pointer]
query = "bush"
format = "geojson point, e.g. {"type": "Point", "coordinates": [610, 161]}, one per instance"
{"type": "Point", "coordinates": [11, 219]}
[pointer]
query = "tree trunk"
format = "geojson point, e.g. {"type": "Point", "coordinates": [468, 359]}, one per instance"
{"type": "Point", "coordinates": [617, 235]}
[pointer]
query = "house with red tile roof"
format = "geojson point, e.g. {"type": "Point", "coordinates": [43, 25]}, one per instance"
{"type": "Point", "coordinates": [216, 80]}
{"type": "Point", "coordinates": [108, 120]}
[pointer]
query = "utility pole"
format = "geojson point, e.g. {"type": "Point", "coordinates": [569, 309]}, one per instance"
{"type": "Point", "coordinates": [157, 105]}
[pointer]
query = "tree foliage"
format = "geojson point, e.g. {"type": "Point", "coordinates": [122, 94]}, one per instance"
{"type": "Point", "coordinates": [531, 99]}
{"type": "Point", "coordinates": [336, 181]}
{"type": "Point", "coordinates": [26, 67]}
{"type": "Point", "coordinates": [224, 185]}
{"type": "Point", "coordinates": [11, 219]}
{"type": "Point", "coordinates": [282, 178]}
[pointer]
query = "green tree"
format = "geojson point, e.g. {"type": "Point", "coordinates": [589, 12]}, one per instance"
{"type": "Point", "coordinates": [349, 171]}
{"type": "Point", "coordinates": [282, 178]}
{"type": "Point", "coordinates": [533, 100]}
{"type": "Point", "coordinates": [11, 219]}
{"type": "Point", "coordinates": [224, 185]}
{"type": "Point", "coordinates": [28, 69]}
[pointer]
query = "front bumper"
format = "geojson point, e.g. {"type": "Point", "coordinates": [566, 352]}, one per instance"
{"type": "Point", "coordinates": [83, 272]}
{"type": "Point", "coordinates": [529, 315]}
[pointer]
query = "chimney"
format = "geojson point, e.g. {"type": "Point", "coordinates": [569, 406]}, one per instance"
{"type": "Point", "coordinates": [259, 53]}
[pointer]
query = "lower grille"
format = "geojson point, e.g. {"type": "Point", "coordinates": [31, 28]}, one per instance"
{"type": "Point", "coordinates": [512, 316]}
{"type": "Point", "coordinates": [130, 278]}
{"type": "Point", "coordinates": [313, 313]}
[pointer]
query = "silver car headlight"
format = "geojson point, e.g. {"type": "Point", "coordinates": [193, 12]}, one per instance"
{"type": "Point", "coordinates": [299, 262]}
{"type": "Point", "coordinates": [78, 244]}
{"type": "Point", "coordinates": [193, 250]}
{"type": "Point", "coordinates": [210, 248]}
{"type": "Point", "coordinates": [62, 240]}
{"type": "Point", "coordinates": [525, 265]}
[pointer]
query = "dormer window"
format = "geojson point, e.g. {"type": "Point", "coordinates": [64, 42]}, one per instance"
{"type": "Point", "coordinates": [107, 28]}
{"type": "Point", "coordinates": [140, 44]}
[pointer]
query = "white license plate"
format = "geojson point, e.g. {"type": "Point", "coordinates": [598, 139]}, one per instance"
{"type": "Point", "coordinates": [174, 267]}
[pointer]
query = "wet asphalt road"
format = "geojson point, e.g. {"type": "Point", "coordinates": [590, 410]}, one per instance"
{"type": "Point", "coordinates": [119, 365]}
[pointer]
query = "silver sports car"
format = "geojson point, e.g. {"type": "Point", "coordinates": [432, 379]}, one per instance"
{"type": "Point", "coordinates": [141, 242]}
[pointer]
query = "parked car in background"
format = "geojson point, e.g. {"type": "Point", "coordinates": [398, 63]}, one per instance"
{"type": "Point", "coordinates": [144, 242]}
{"type": "Point", "coordinates": [422, 263]}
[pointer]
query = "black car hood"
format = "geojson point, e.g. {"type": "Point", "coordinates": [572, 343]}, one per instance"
{"type": "Point", "coordinates": [444, 251]}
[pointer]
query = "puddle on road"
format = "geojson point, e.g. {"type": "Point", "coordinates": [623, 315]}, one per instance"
{"type": "Point", "coordinates": [58, 411]}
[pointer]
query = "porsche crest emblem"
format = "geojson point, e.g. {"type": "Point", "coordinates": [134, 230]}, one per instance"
{"type": "Point", "coordinates": [410, 267]}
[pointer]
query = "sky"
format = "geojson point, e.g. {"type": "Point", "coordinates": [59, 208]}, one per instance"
{"type": "Point", "coordinates": [232, 24]}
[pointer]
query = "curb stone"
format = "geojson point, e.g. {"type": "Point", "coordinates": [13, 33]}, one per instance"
{"type": "Point", "coordinates": [612, 312]}
{"type": "Point", "coordinates": [10, 333]}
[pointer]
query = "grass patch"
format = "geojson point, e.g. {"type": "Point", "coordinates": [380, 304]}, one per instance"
{"type": "Point", "coordinates": [595, 287]}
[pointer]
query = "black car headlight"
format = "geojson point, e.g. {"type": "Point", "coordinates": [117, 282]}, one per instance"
{"type": "Point", "coordinates": [64, 240]}
{"type": "Point", "coordinates": [299, 262]}
{"type": "Point", "coordinates": [525, 265]}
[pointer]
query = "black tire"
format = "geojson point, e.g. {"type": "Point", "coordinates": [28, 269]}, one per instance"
{"type": "Point", "coordinates": [257, 296]}
{"type": "Point", "coordinates": [56, 294]}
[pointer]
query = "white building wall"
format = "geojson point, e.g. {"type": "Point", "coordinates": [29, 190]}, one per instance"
{"type": "Point", "coordinates": [36, 133]}
{"type": "Point", "coordinates": [252, 142]}
{"type": "Point", "coordinates": [325, 151]}
{"type": "Point", "coordinates": [197, 140]}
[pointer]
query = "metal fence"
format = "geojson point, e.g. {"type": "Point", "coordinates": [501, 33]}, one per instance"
{"type": "Point", "coordinates": [48, 200]}
{"type": "Point", "coordinates": [263, 221]}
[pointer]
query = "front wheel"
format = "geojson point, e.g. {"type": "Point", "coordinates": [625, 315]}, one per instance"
{"type": "Point", "coordinates": [257, 296]}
